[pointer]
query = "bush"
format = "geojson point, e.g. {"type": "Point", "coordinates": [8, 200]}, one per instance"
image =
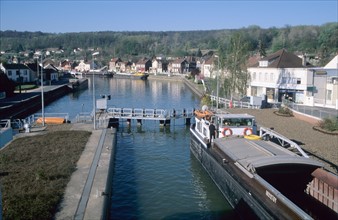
{"type": "Point", "coordinates": [206, 100]}
{"type": "Point", "coordinates": [329, 124]}
{"type": "Point", "coordinates": [285, 111]}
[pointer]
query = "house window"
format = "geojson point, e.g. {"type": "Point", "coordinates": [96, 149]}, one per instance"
{"type": "Point", "coordinates": [266, 77]}
{"type": "Point", "coordinates": [259, 76]}
{"type": "Point", "coordinates": [253, 76]}
{"type": "Point", "coordinates": [299, 81]}
{"type": "Point", "coordinates": [9, 73]}
{"type": "Point", "coordinates": [329, 94]}
{"type": "Point", "coordinates": [263, 63]}
{"type": "Point", "coordinates": [284, 80]}
{"type": "Point", "coordinates": [271, 77]}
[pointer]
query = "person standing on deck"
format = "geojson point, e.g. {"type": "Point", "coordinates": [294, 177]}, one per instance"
{"type": "Point", "coordinates": [212, 130]}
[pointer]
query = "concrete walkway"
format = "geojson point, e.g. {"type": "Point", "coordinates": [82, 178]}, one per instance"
{"type": "Point", "coordinates": [88, 192]}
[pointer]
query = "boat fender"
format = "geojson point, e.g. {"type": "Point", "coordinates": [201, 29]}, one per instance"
{"type": "Point", "coordinates": [246, 133]}
{"type": "Point", "coordinates": [225, 131]}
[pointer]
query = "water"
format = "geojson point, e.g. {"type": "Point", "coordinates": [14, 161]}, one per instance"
{"type": "Point", "coordinates": [155, 175]}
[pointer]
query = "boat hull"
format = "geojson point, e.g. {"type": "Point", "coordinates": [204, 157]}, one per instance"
{"type": "Point", "coordinates": [235, 194]}
{"type": "Point", "coordinates": [131, 76]}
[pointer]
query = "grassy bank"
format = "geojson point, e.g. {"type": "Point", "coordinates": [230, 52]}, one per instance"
{"type": "Point", "coordinates": [35, 170]}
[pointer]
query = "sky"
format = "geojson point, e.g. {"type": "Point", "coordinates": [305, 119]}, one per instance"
{"type": "Point", "coordinates": [64, 16]}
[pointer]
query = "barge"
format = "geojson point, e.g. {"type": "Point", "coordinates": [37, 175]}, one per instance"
{"type": "Point", "coordinates": [138, 75]}
{"type": "Point", "coordinates": [265, 176]}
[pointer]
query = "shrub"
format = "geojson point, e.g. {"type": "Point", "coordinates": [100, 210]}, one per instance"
{"type": "Point", "coordinates": [285, 111]}
{"type": "Point", "coordinates": [329, 124]}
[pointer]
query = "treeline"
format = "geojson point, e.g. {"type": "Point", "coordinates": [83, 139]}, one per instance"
{"type": "Point", "coordinates": [316, 40]}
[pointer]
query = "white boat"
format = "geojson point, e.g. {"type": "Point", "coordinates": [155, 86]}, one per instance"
{"type": "Point", "coordinates": [260, 178]}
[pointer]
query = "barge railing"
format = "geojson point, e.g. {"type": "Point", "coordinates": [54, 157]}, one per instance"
{"type": "Point", "coordinates": [267, 133]}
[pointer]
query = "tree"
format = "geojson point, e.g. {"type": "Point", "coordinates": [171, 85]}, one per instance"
{"type": "Point", "coordinates": [261, 49]}
{"type": "Point", "coordinates": [236, 56]}
{"type": "Point", "coordinates": [6, 85]}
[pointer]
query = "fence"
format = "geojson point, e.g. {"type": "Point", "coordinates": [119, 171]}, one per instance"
{"type": "Point", "coordinates": [317, 112]}
{"type": "Point", "coordinates": [227, 103]}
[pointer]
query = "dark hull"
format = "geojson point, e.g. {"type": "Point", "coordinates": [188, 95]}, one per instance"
{"type": "Point", "coordinates": [253, 194]}
{"type": "Point", "coordinates": [236, 195]}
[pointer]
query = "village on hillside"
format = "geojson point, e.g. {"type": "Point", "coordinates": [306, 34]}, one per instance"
{"type": "Point", "coordinates": [275, 76]}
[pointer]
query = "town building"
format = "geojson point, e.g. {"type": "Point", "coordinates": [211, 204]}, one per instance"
{"type": "Point", "coordinates": [18, 72]}
{"type": "Point", "coordinates": [280, 75]}
{"type": "Point", "coordinates": [284, 75]}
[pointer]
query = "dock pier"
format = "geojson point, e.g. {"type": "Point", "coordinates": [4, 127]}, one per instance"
{"type": "Point", "coordinates": [111, 117]}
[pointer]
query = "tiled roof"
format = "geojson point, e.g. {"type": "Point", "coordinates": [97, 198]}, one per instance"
{"type": "Point", "coordinates": [14, 66]}
{"type": "Point", "coordinates": [282, 59]}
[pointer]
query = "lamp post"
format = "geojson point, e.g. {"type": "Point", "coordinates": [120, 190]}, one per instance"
{"type": "Point", "coordinates": [217, 83]}
{"type": "Point", "coordinates": [42, 96]}
{"type": "Point", "coordinates": [94, 103]}
{"type": "Point", "coordinates": [42, 92]}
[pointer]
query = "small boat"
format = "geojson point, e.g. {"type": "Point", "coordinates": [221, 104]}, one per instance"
{"type": "Point", "coordinates": [138, 75]}
{"type": "Point", "coordinates": [51, 120]}
{"type": "Point", "coordinates": [107, 74]}
{"type": "Point", "coordinates": [265, 176]}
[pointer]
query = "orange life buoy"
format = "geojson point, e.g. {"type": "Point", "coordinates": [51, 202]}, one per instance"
{"type": "Point", "coordinates": [245, 131]}
{"type": "Point", "coordinates": [225, 130]}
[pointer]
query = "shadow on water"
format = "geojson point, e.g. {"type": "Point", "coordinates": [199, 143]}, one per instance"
{"type": "Point", "coordinates": [124, 202]}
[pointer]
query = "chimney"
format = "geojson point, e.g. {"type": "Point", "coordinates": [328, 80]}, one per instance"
{"type": "Point", "coordinates": [304, 60]}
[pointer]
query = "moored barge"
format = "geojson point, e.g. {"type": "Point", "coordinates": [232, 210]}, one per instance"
{"type": "Point", "coordinates": [265, 176]}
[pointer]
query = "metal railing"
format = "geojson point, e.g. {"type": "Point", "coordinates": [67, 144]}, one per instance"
{"type": "Point", "coordinates": [314, 111]}
{"type": "Point", "coordinates": [152, 114]}
{"type": "Point", "coordinates": [231, 103]}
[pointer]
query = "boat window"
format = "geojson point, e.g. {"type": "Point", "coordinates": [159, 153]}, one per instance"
{"type": "Point", "coordinates": [204, 131]}
{"type": "Point", "coordinates": [237, 122]}
{"type": "Point", "coordinates": [199, 126]}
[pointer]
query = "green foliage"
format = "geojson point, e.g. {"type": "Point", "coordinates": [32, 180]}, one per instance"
{"type": "Point", "coordinates": [206, 100]}
{"type": "Point", "coordinates": [329, 124]}
{"type": "Point", "coordinates": [310, 39]}
{"type": "Point", "coordinates": [284, 110]}
{"type": "Point", "coordinates": [26, 87]}
{"type": "Point", "coordinates": [235, 62]}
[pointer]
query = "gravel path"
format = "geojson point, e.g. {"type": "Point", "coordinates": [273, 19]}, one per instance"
{"type": "Point", "coordinates": [324, 146]}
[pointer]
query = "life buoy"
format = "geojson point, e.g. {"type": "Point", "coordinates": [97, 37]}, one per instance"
{"type": "Point", "coordinates": [225, 130]}
{"type": "Point", "coordinates": [245, 131]}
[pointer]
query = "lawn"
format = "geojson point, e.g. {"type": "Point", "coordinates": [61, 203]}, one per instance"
{"type": "Point", "coordinates": [26, 87]}
{"type": "Point", "coordinates": [35, 170]}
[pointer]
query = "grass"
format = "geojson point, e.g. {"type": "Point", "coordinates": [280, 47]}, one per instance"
{"type": "Point", "coordinates": [35, 170]}
{"type": "Point", "coordinates": [26, 87]}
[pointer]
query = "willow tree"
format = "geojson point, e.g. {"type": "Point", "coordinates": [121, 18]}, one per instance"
{"type": "Point", "coordinates": [235, 64]}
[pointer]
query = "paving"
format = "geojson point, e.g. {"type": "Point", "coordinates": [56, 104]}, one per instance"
{"type": "Point", "coordinates": [88, 191]}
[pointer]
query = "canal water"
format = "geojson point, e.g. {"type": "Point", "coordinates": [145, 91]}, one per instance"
{"type": "Point", "coordinates": [155, 175]}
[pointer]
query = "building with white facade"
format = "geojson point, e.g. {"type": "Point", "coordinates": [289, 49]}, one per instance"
{"type": "Point", "coordinates": [325, 85]}
{"type": "Point", "coordinates": [281, 74]}
{"type": "Point", "coordinates": [285, 75]}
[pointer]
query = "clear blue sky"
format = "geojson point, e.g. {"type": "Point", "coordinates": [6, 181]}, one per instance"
{"type": "Point", "coordinates": [63, 16]}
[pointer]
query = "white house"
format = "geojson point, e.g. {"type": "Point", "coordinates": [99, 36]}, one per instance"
{"type": "Point", "coordinates": [83, 67]}
{"type": "Point", "coordinates": [208, 67]}
{"type": "Point", "coordinates": [18, 72]}
{"type": "Point", "coordinates": [281, 74]}
{"type": "Point", "coordinates": [325, 85]}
